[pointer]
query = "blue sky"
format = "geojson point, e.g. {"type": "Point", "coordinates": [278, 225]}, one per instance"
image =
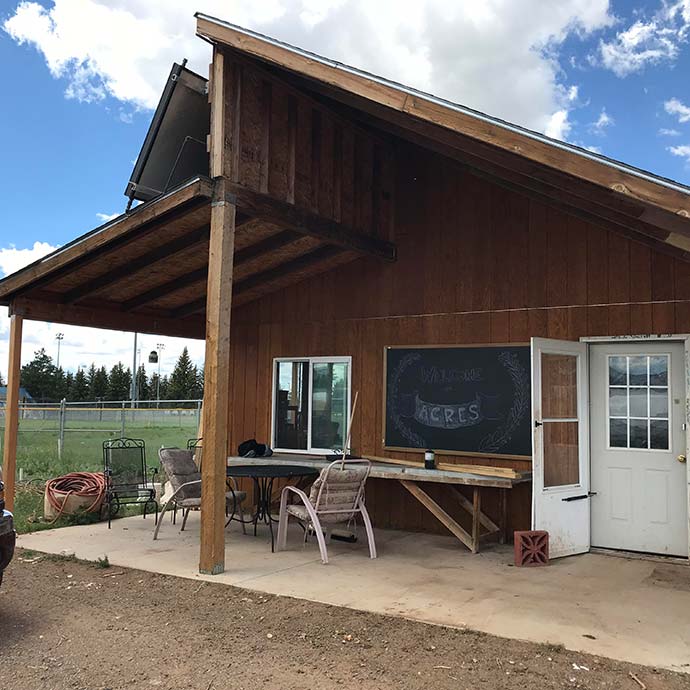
{"type": "Point", "coordinates": [83, 75]}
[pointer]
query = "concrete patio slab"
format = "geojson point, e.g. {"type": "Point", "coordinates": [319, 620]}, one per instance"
{"type": "Point", "coordinates": [626, 609]}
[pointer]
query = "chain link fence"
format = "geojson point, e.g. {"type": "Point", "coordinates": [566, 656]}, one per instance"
{"type": "Point", "coordinates": [55, 438]}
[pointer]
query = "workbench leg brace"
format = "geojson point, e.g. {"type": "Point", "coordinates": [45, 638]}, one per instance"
{"type": "Point", "coordinates": [473, 507]}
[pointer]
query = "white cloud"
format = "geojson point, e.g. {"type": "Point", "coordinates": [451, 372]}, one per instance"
{"type": "Point", "coordinates": [675, 107]}
{"type": "Point", "coordinates": [602, 123]}
{"type": "Point", "coordinates": [496, 56]}
{"type": "Point", "coordinates": [558, 126]}
{"type": "Point", "coordinates": [647, 42]}
{"type": "Point", "coordinates": [594, 149]}
{"type": "Point", "coordinates": [682, 151]}
{"type": "Point", "coordinates": [81, 346]}
{"type": "Point", "coordinates": [665, 132]}
{"type": "Point", "coordinates": [12, 259]}
{"type": "Point", "coordinates": [105, 217]}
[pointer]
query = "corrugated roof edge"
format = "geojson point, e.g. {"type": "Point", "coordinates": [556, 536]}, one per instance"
{"type": "Point", "coordinates": [509, 126]}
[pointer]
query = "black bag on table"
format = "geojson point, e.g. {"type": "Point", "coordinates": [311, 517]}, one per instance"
{"type": "Point", "coordinates": [253, 449]}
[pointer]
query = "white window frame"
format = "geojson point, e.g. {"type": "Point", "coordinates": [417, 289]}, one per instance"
{"type": "Point", "coordinates": [668, 419]}
{"type": "Point", "coordinates": [310, 361]}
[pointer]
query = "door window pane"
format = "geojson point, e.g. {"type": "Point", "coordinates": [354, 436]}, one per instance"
{"type": "Point", "coordinates": [559, 386]}
{"type": "Point", "coordinates": [658, 371]}
{"type": "Point", "coordinates": [618, 402]}
{"type": "Point", "coordinates": [658, 402]}
{"type": "Point", "coordinates": [618, 371]}
{"type": "Point", "coordinates": [638, 401]}
{"type": "Point", "coordinates": [638, 433]}
{"type": "Point", "coordinates": [618, 433]}
{"type": "Point", "coordinates": [291, 405]}
{"type": "Point", "coordinates": [329, 401]}
{"type": "Point", "coordinates": [561, 454]}
{"type": "Point", "coordinates": [658, 434]}
{"type": "Point", "coordinates": [638, 370]}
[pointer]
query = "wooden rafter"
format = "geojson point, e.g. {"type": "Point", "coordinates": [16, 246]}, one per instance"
{"type": "Point", "coordinates": [143, 219]}
{"type": "Point", "coordinates": [275, 275]}
{"type": "Point", "coordinates": [292, 218]}
{"type": "Point", "coordinates": [178, 283]}
{"type": "Point", "coordinates": [143, 261]}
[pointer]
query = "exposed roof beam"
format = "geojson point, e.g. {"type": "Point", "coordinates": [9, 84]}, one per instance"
{"type": "Point", "coordinates": [144, 261]}
{"type": "Point", "coordinates": [140, 221]}
{"type": "Point", "coordinates": [107, 316]}
{"type": "Point", "coordinates": [173, 285]}
{"type": "Point", "coordinates": [293, 218]}
{"type": "Point", "coordinates": [297, 265]}
{"type": "Point", "coordinates": [193, 307]}
{"type": "Point", "coordinates": [265, 246]}
{"type": "Point", "coordinates": [273, 275]}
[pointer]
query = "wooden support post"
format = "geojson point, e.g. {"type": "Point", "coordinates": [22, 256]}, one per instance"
{"type": "Point", "coordinates": [217, 383]}
{"type": "Point", "coordinates": [503, 513]}
{"type": "Point", "coordinates": [9, 456]}
{"type": "Point", "coordinates": [476, 512]}
{"type": "Point", "coordinates": [218, 308]}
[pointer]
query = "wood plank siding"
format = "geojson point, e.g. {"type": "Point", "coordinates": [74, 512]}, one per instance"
{"type": "Point", "coordinates": [477, 263]}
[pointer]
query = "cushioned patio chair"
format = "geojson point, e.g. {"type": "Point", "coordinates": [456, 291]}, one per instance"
{"type": "Point", "coordinates": [336, 498]}
{"type": "Point", "coordinates": [185, 478]}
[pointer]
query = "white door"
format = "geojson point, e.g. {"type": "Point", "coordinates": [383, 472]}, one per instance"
{"type": "Point", "coordinates": [638, 435]}
{"type": "Point", "coordinates": [560, 491]}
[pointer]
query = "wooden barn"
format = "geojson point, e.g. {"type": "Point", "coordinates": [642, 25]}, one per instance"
{"type": "Point", "coordinates": [502, 298]}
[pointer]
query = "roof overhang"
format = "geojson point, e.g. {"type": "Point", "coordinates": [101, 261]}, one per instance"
{"type": "Point", "coordinates": [147, 269]}
{"type": "Point", "coordinates": [635, 201]}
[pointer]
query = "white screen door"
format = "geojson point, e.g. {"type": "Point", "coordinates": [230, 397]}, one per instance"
{"type": "Point", "coordinates": [560, 402]}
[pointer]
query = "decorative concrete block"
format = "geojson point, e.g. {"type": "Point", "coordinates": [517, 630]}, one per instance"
{"type": "Point", "coordinates": [531, 548]}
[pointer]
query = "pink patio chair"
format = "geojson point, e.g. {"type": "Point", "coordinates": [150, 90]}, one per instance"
{"type": "Point", "coordinates": [335, 499]}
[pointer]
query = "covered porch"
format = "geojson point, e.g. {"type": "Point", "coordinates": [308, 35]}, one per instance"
{"type": "Point", "coordinates": [633, 610]}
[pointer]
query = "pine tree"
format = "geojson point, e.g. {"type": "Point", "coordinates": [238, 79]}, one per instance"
{"type": "Point", "coordinates": [62, 385]}
{"type": "Point", "coordinates": [98, 387]}
{"type": "Point", "coordinates": [165, 389]}
{"type": "Point", "coordinates": [119, 383]}
{"type": "Point", "coordinates": [79, 392]}
{"type": "Point", "coordinates": [142, 383]}
{"type": "Point", "coordinates": [153, 387]}
{"type": "Point", "coordinates": [67, 385]}
{"type": "Point", "coordinates": [39, 376]}
{"type": "Point", "coordinates": [199, 385]}
{"type": "Point", "coordinates": [184, 378]}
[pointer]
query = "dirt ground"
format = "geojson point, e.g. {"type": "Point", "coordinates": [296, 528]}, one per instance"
{"type": "Point", "coordinates": [68, 624]}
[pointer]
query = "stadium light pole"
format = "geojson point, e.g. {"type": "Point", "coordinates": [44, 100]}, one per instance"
{"type": "Point", "coordinates": [133, 388]}
{"type": "Point", "coordinates": [59, 337]}
{"type": "Point", "coordinates": [160, 347]}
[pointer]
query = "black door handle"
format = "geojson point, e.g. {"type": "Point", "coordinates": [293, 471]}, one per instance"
{"type": "Point", "coordinates": [580, 497]}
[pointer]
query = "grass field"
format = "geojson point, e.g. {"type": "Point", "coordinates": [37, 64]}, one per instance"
{"type": "Point", "coordinates": [37, 456]}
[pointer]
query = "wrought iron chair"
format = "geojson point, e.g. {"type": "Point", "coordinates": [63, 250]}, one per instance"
{"type": "Point", "coordinates": [196, 446]}
{"type": "Point", "coordinates": [335, 498]}
{"type": "Point", "coordinates": [128, 479]}
{"type": "Point", "coordinates": [185, 478]}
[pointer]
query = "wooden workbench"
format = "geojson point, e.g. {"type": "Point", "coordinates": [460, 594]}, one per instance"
{"type": "Point", "coordinates": [411, 477]}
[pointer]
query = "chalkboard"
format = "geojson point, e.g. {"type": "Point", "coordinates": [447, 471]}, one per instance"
{"type": "Point", "coordinates": [473, 400]}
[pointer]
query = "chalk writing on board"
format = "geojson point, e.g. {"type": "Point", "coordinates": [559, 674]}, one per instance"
{"type": "Point", "coordinates": [474, 399]}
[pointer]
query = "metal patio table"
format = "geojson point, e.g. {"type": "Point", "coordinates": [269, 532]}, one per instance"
{"type": "Point", "coordinates": [263, 477]}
